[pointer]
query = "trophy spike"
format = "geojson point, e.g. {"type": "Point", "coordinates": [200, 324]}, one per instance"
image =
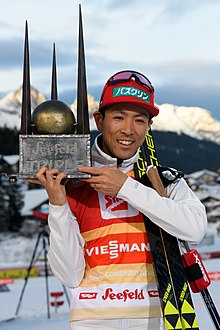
{"type": "Point", "coordinates": [82, 102]}
{"type": "Point", "coordinates": [54, 94]}
{"type": "Point", "coordinates": [26, 95]}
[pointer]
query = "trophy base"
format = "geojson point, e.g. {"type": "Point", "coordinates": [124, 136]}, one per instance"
{"type": "Point", "coordinates": [63, 152]}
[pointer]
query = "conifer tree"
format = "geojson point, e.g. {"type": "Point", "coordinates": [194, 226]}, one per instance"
{"type": "Point", "coordinates": [3, 217]}
{"type": "Point", "coordinates": [14, 204]}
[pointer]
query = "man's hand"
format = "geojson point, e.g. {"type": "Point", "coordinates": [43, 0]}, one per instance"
{"type": "Point", "coordinates": [107, 179]}
{"type": "Point", "coordinates": [51, 181]}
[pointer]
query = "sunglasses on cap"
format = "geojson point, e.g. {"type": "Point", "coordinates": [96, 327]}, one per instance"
{"type": "Point", "coordinates": [126, 75]}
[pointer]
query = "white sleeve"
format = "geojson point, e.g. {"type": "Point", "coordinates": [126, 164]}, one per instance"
{"type": "Point", "coordinates": [66, 252]}
{"type": "Point", "coordinates": [181, 214]}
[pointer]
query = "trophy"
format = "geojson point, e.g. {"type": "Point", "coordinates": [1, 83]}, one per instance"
{"type": "Point", "coordinates": [51, 136]}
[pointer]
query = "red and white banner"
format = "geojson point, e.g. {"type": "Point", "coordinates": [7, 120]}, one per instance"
{"type": "Point", "coordinates": [210, 255]}
{"type": "Point", "coordinates": [214, 276]}
{"type": "Point", "coordinates": [5, 281]}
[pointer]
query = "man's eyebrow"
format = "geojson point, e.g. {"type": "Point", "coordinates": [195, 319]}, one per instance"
{"type": "Point", "coordinates": [121, 111]}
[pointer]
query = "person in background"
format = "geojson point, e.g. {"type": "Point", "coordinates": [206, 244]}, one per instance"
{"type": "Point", "coordinates": [98, 242]}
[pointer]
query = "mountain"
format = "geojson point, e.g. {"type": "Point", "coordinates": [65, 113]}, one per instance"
{"type": "Point", "coordinates": [10, 107]}
{"type": "Point", "coordinates": [193, 121]}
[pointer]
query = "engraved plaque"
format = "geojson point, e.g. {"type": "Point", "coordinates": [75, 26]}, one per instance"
{"type": "Point", "coordinates": [63, 152]}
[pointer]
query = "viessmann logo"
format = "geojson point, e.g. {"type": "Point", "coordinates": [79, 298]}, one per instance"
{"type": "Point", "coordinates": [114, 248]}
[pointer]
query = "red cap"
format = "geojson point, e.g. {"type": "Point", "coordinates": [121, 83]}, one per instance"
{"type": "Point", "coordinates": [128, 92]}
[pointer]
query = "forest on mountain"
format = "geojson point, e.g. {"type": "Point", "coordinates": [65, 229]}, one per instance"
{"type": "Point", "coordinates": [9, 141]}
{"type": "Point", "coordinates": [186, 153]}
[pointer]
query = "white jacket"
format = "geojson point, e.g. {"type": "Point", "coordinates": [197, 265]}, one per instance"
{"type": "Point", "coordinates": [181, 214]}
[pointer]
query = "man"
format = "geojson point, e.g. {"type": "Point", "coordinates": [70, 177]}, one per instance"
{"type": "Point", "coordinates": [99, 245]}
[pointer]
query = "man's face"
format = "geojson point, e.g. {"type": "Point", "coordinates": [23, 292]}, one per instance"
{"type": "Point", "coordinates": [123, 128]}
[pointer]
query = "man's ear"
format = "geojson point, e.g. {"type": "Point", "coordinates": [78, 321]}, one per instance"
{"type": "Point", "coordinates": [150, 122]}
{"type": "Point", "coordinates": [98, 120]}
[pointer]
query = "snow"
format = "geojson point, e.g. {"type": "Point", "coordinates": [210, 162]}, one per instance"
{"type": "Point", "coordinates": [32, 313]}
{"type": "Point", "coordinates": [11, 159]}
{"type": "Point", "coordinates": [17, 251]}
{"type": "Point", "coordinates": [193, 121]}
{"type": "Point", "coordinates": [32, 199]}
{"type": "Point", "coordinates": [212, 191]}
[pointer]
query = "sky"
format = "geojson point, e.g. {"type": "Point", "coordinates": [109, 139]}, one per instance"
{"type": "Point", "coordinates": [175, 43]}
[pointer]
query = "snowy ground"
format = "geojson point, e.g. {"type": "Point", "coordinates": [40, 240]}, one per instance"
{"type": "Point", "coordinates": [32, 313]}
{"type": "Point", "coordinates": [33, 310]}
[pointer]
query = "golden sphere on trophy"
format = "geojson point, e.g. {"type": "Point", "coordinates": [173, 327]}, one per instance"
{"type": "Point", "coordinates": [53, 117]}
